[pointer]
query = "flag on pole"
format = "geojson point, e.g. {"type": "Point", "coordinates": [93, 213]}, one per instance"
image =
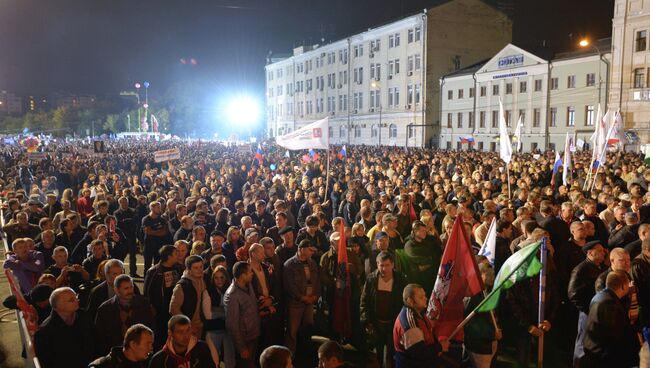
{"type": "Point", "coordinates": [504, 139]}
{"type": "Point", "coordinates": [617, 135]}
{"type": "Point", "coordinates": [342, 153]}
{"type": "Point", "coordinates": [566, 165]}
{"type": "Point", "coordinates": [488, 249]}
{"type": "Point", "coordinates": [341, 310]}
{"type": "Point", "coordinates": [458, 277]}
{"type": "Point", "coordinates": [313, 155]}
{"type": "Point", "coordinates": [259, 156]}
{"type": "Point", "coordinates": [144, 126]}
{"type": "Point", "coordinates": [598, 139]}
{"type": "Point", "coordinates": [646, 159]}
{"type": "Point", "coordinates": [518, 131]}
{"type": "Point", "coordinates": [311, 136]}
{"type": "Point", "coordinates": [519, 266]}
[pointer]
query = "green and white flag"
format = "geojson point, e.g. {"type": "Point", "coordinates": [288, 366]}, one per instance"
{"type": "Point", "coordinates": [517, 267]}
{"type": "Point", "coordinates": [647, 156]}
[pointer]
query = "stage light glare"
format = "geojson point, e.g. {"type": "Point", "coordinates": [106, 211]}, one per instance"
{"type": "Point", "coordinates": [243, 110]}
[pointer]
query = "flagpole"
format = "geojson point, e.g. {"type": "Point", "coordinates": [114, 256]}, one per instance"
{"type": "Point", "coordinates": [508, 175]}
{"type": "Point", "coordinates": [327, 176]}
{"type": "Point", "coordinates": [602, 156]}
{"type": "Point", "coordinates": [542, 303]}
{"type": "Point", "coordinates": [473, 313]}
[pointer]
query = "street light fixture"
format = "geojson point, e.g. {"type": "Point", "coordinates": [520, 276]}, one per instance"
{"type": "Point", "coordinates": [586, 43]}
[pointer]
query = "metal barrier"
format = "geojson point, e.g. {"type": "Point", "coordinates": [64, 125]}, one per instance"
{"type": "Point", "coordinates": [31, 361]}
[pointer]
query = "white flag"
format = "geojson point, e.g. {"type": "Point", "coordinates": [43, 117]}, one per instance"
{"type": "Point", "coordinates": [312, 136]}
{"type": "Point", "coordinates": [568, 143]}
{"type": "Point", "coordinates": [504, 139]}
{"type": "Point", "coordinates": [518, 131]}
{"type": "Point", "coordinates": [488, 249]}
{"type": "Point", "coordinates": [617, 137]}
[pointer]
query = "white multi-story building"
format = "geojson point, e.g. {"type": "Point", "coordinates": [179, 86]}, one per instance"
{"type": "Point", "coordinates": [380, 87]}
{"type": "Point", "coordinates": [551, 98]}
{"type": "Point", "coordinates": [630, 73]}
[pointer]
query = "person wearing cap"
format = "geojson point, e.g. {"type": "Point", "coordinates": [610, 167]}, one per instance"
{"type": "Point", "coordinates": [302, 288]}
{"type": "Point", "coordinates": [217, 239]}
{"type": "Point", "coordinates": [251, 236]}
{"type": "Point", "coordinates": [287, 249]}
{"type": "Point", "coordinates": [582, 288]}
{"type": "Point", "coordinates": [626, 234]}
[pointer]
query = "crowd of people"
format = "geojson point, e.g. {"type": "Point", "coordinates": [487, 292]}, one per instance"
{"type": "Point", "coordinates": [241, 263]}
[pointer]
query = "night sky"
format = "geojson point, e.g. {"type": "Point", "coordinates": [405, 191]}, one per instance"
{"type": "Point", "coordinates": [104, 46]}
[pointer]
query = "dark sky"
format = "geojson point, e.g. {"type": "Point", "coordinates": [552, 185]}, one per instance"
{"type": "Point", "coordinates": [104, 46]}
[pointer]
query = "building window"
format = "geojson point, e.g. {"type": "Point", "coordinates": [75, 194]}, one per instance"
{"type": "Point", "coordinates": [571, 81]}
{"type": "Point", "coordinates": [460, 120]}
{"type": "Point", "coordinates": [553, 116]}
{"type": "Point", "coordinates": [495, 119]}
{"type": "Point", "coordinates": [374, 131]}
{"type": "Point", "coordinates": [410, 36]}
{"type": "Point", "coordinates": [570, 116]}
{"type": "Point", "coordinates": [522, 87]}
{"type": "Point", "coordinates": [589, 115]}
{"type": "Point", "coordinates": [508, 88]}
{"type": "Point", "coordinates": [481, 119]}
{"type": "Point", "coordinates": [641, 40]}
{"type": "Point", "coordinates": [342, 131]}
{"type": "Point", "coordinates": [495, 90]}
{"type": "Point", "coordinates": [449, 117]}
{"type": "Point", "coordinates": [417, 93]}
{"type": "Point", "coordinates": [418, 33]}
{"type": "Point", "coordinates": [554, 83]}
{"type": "Point", "coordinates": [460, 93]}
{"type": "Point", "coordinates": [450, 95]}
{"type": "Point", "coordinates": [639, 78]}
{"type": "Point", "coordinates": [493, 146]}
{"type": "Point", "coordinates": [459, 146]}
{"type": "Point", "coordinates": [392, 131]}
{"type": "Point", "coordinates": [448, 146]}
{"type": "Point", "coordinates": [471, 119]}
{"type": "Point", "coordinates": [536, 117]}
{"type": "Point", "coordinates": [330, 132]}
{"type": "Point", "coordinates": [480, 146]}
{"type": "Point", "coordinates": [533, 146]}
{"type": "Point", "coordinates": [508, 117]}
{"type": "Point", "coordinates": [471, 92]}
{"type": "Point", "coordinates": [538, 85]}
{"type": "Point", "coordinates": [357, 131]}
{"type": "Point", "coordinates": [411, 132]}
{"type": "Point", "coordinates": [522, 116]}
{"type": "Point", "coordinates": [591, 79]}
{"type": "Point", "coordinates": [483, 91]}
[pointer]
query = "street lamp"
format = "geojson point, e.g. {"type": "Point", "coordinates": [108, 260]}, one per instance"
{"type": "Point", "coordinates": [586, 43]}
{"type": "Point", "coordinates": [374, 84]}
{"type": "Point", "coordinates": [137, 94]}
{"type": "Point", "coordinates": [146, 100]}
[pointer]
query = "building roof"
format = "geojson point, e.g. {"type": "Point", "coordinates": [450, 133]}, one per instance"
{"type": "Point", "coordinates": [468, 70]}
{"type": "Point", "coordinates": [604, 45]}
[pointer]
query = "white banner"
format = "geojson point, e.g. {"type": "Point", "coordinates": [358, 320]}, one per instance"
{"type": "Point", "coordinates": [312, 136]}
{"type": "Point", "coordinates": [37, 156]}
{"type": "Point", "coordinates": [166, 155]}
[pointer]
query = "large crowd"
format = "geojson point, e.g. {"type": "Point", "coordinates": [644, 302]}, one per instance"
{"type": "Point", "coordinates": [241, 263]}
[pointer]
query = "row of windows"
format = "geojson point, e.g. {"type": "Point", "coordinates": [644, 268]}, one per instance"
{"type": "Point", "coordinates": [590, 80]}
{"type": "Point", "coordinates": [357, 131]}
{"type": "Point", "coordinates": [493, 146]}
{"type": "Point", "coordinates": [641, 77]}
{"type": "Point", "coordinates": [590, 117]}
{"type": "Point", "coordinates": [413, 94]}
{"type": "Point", "coordinates": [329, 58]}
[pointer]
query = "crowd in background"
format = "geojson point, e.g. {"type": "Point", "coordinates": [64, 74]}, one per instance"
{"type": "Point", "coordinates": [241, 265]}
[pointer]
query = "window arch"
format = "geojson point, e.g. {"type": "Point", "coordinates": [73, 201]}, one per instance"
{"type": "Point", "coordinates": [374, 131]}
{"type": "Point", "coordinates": [342, 132]}
{"type": "Point", "coordinates": [330, 132]}
{"type": "Point", "coordinates": [392, 131]}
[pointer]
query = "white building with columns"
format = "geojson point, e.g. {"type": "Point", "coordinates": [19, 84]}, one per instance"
{"type": "Point", "coordinates": [551, 98]}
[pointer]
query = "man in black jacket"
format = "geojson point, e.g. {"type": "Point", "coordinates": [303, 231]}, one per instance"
{"type": "Point", "coordinates": [134, 353]}
{"type": "Point", "coordinates": [159, 283]}
{"type": "Point", "coordinates": [381, 302]}
{"type": "Point", "coordinates": [609, 339]}
{"type": "Point", "coordinates": [119, 313]}
{"type": "Point", "coordinates": [126, 222]}
{"type": "Point", "coordinates": [558, 230]}
{"type": "Point", "coordinates": [582, 289]}
{"type": "Point", "coordinates": [182, 349]}
{"type": "Point", "coordinates": [64, 339]}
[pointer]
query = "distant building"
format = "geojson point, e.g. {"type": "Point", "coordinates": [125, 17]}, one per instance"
{"type": "Point", "coordinates": [72, 100]}
{"type": "Point", "coordinates": [380, 87]}
{"type": "Point", "coordinates": [10, 104]}
{"type": "Point", "coordinates": [630, 70]}
{"type": "Point", "coordinates": [551, 98]}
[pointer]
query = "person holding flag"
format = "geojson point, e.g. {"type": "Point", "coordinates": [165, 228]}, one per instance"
{"type": "Point", "coordinates": [259, 155]}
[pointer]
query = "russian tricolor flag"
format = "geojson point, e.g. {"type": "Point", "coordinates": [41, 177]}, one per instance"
{"type": "Point", "coordinates": [343, 153]}
{"type": "Point", "coordinates": [258, 154]}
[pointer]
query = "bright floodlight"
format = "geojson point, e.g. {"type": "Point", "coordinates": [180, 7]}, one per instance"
{"type": "Point", "coordinates": [584, 43]}
{"type": "Point", "coordinates": [243, 110]}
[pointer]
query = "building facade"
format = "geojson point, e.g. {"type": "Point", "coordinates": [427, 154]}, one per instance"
{"type": "Point", "coordinates": [380, 87]}
{"type": "Point", "coordinates": [551, 99]}
{"type": "Point", "coordinates": [10, 104]}
{"type": "Point", "coordinates": [630, 71]}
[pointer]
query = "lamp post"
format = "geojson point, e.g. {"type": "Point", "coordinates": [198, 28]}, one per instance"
{"type": "Point", "coordinates": [137, 94]}
{"type": "Point", "coordinates": [146, 101]}
{"type": "Point", "coordinates": [374, 84]}
{"type": "Point", "coordinates": [585, 43]}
